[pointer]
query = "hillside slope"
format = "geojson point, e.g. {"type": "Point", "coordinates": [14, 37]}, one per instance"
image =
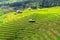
{"type": "Point", "coordinates": [1, 12]}
{"type": "Point", "coordinates": [17, 27]}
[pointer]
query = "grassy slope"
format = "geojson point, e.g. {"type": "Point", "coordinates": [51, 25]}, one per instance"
{"type": "Point", "coordinates": [17, 27]}
{"type": "Point", "coordinates": [1, 12]}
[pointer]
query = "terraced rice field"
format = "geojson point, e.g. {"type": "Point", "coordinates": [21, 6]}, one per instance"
{"type": "Point", "coordinates": [46, 27]}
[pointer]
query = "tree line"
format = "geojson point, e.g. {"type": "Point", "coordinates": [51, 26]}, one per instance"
{"type": "Point", "coordinates": [40, 3]}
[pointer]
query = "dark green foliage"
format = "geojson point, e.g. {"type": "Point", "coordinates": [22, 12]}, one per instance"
{"type": "Point", "coordinates": [33, 7]}
{"type": "Point", "coordinates": [41, 3]}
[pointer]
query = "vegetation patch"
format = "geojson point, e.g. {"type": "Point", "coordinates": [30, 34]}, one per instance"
{"type": "Point", "coordinates": [45, 27]}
